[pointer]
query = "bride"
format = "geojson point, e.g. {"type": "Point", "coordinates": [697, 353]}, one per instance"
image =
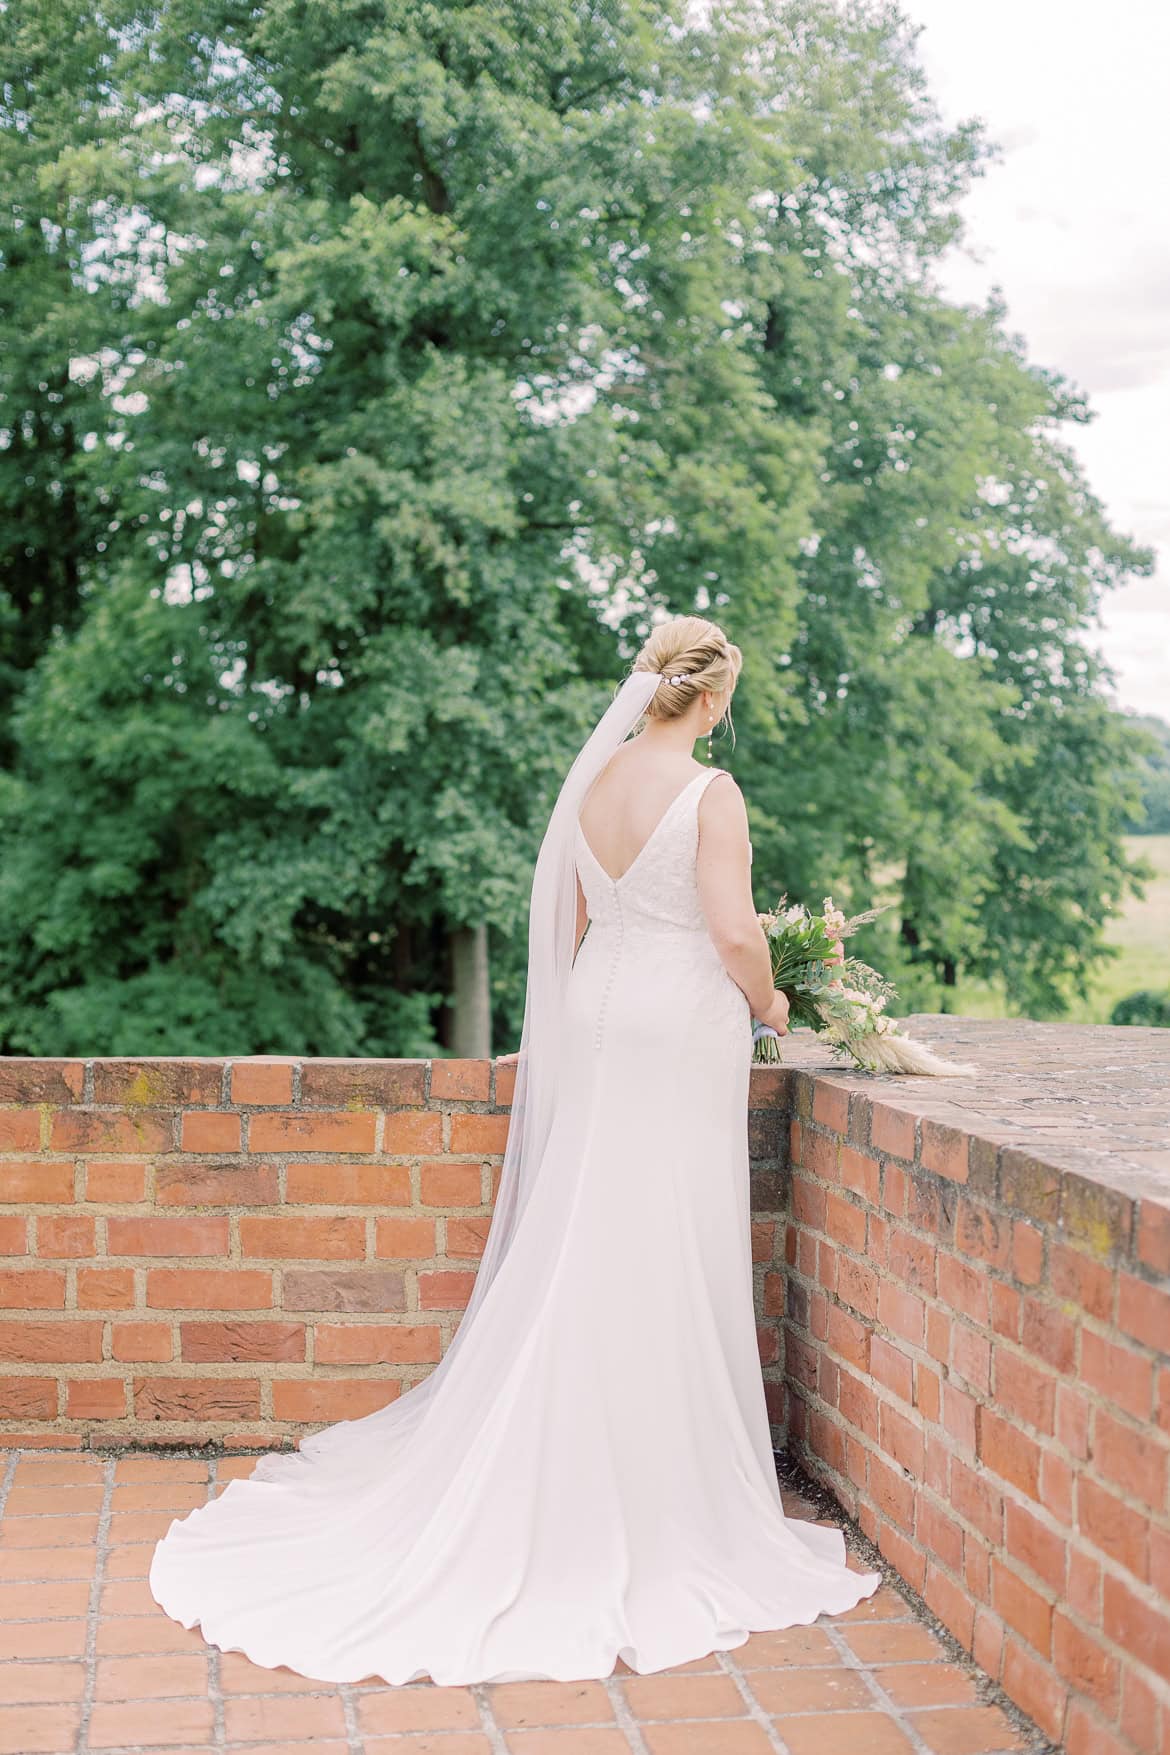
{"type": "Point", "coordinates": [587, 1474]}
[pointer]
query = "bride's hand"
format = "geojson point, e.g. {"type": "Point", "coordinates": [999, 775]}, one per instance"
{"type": "Point", "coordinates": [776, 1016]}
{"type": "Point", "coordinates": [507, 1059]}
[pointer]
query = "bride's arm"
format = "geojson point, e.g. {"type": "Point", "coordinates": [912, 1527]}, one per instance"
{"type": "Point", "coordinates": [723, 873]}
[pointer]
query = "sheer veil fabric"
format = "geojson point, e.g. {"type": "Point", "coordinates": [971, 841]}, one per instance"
{"type": "Point", "coordinates": [586, 1474]}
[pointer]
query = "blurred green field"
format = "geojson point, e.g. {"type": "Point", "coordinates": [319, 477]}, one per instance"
{"type": "Point", "coordinates": [1141, 933]}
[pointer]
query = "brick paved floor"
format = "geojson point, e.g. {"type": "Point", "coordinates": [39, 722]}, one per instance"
{"type": "Point", "coordinates": [89, 1662]}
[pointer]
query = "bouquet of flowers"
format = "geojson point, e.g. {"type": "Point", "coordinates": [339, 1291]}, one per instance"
{"type": "Point", "coordinates": [839, 997]}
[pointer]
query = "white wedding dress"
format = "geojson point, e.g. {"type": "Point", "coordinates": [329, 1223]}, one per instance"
{"type": "Point", "coordinates": [593, 1477]}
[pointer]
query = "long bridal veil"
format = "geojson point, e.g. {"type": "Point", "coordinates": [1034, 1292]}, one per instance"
{"type": "Point", "coordinates": [551, 936]}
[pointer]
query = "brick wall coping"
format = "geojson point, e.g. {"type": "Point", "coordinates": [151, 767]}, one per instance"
{"type": "Point", "coordinates": [1091, 1098]}
{"type": "Point", "coordinates": [1068, 1123]}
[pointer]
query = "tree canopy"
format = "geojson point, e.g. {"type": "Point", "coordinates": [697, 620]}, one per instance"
{"type": "Point", "coordinates": [380, 370]}
{"type": "Point", "coordinates": [1153, 815]}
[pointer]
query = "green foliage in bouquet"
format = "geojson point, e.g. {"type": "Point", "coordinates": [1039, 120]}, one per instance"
{"type": "Point", "coordinates": [802, 949]}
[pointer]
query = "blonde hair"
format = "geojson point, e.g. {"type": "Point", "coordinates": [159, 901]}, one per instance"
{"type": "Point", "coordinates": [696, 649]}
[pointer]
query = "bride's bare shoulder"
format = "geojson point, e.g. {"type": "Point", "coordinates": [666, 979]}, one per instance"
{"type": "Point", "coordinates": [723, 806]}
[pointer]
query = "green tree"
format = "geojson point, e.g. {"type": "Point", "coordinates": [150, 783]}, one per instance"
{"type": "Point", "coordinates": [376, 258]}
{"type": "Point", "coordinates": [418, 356]}
{"type": "Point", "coordinates": [1153, 815]}
{"type": "Point", "coordinates": [53, 519]}
{"type": "Point", "coordinates": [947, 741]}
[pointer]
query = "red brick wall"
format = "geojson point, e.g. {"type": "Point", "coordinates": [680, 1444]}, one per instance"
{"type": "Point", "coordinates": [978, 1365]}
{"type": "Point", "coordinates": [234, 1252]}
{"type": "Point", "coordinates": [970, 1347]}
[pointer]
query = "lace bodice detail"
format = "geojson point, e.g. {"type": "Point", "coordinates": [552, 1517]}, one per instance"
{"type": "Point", "coordinates": [660, 887]}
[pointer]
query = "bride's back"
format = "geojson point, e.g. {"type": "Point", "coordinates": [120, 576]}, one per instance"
{"type": "Point", "coordinates": [628, 800]}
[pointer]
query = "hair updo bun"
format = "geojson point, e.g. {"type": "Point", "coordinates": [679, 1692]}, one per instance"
{"type": "Point", "coordinates": [696, 650]}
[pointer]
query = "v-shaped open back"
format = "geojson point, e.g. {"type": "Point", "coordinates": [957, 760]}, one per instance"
{"type": "Point", "coordinates": [659, 887]}
{"type": "Point", "coordinates": [703, 774]}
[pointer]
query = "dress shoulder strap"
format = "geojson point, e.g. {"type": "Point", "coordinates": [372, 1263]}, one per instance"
{"type": "Point", "coordinates": [703, 780]}
{"type": "Point", "coordinates": [700, 784]}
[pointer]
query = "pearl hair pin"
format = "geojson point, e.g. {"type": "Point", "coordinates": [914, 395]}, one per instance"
{"type": "Point", "coordinates": [682, 677]}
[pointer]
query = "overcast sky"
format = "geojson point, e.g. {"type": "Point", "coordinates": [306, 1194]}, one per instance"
{"type": "Point", "coordinates": [1071, 223]}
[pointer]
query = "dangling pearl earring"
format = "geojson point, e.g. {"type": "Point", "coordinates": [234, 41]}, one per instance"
{"type": "Point", "coordinates": [710, 722]}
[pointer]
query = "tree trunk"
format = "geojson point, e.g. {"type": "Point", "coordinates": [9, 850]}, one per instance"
{"type": "Point", "coordinates": [471, 1033]}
